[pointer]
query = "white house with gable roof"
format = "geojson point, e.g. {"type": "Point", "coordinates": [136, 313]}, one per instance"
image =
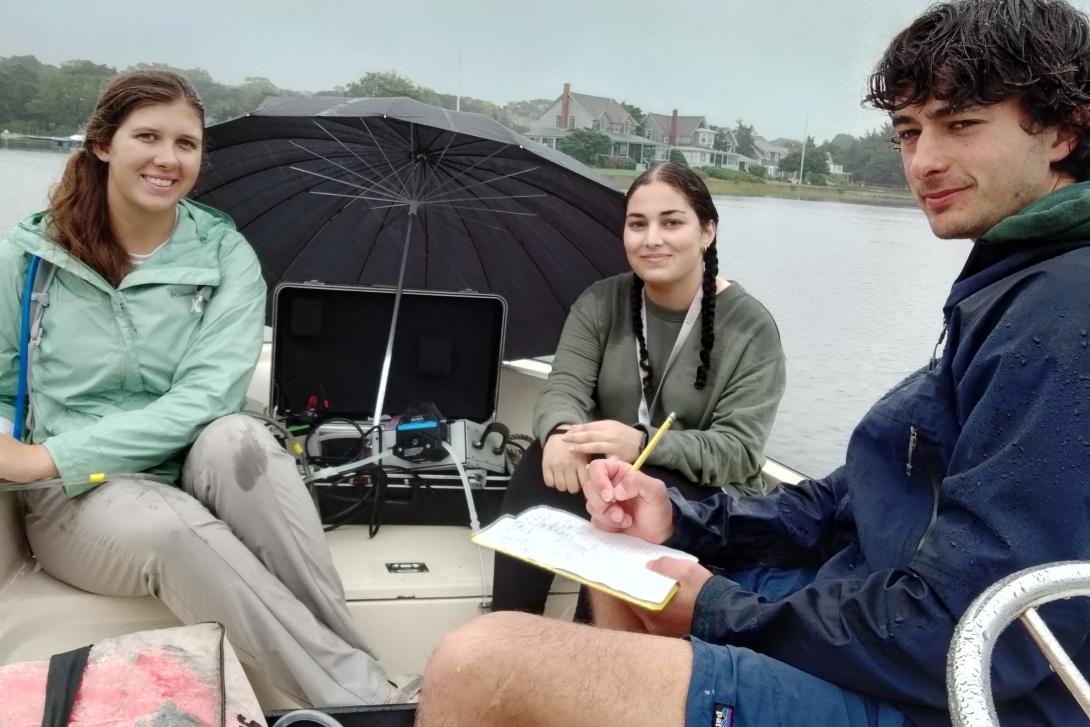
{"type": "Point", "coordinates": [581, 111]}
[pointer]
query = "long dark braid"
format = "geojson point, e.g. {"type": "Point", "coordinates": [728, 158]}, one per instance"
{"type": "Point", "coordinates": [692, 186]}
{"type": "Point", "coordinates": [637, 324]}
{"type": "Point", "coordinates": [707, 315]}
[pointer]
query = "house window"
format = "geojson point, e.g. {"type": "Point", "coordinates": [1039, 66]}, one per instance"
{"type": "Point", "coordinates": [703, 156]}
{"type": "Point", "coordinates": [647, 133]}
{"type": "Point", "coordinates": [558, 121]}
{"type": "Point", "coordinates": [627, 127]}
{"type": "Point", "coordinates": [571, 121]}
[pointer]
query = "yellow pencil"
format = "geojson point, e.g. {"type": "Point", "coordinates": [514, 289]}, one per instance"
{"type": "Point", "coordinates": [654, 440]}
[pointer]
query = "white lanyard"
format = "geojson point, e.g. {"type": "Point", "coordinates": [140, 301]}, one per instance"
{"type": "Point", "coordinates": [682, 336]}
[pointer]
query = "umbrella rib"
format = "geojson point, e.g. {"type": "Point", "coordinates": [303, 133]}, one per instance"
{"type": "Point", "coordinates": [383, 152]}
{"type": "Point", "coordinates": [590, 218]}
{"type": "Point", "coordinates": [350, 151]}
{"type": "Point", "coordinates": [465, 171]}
{"type": "Point", "coordinates": [371, 207]}
{"type": "Point", "coordinates": [477, 250]}
{"type": "Point", "coordinates": [534, 262]}
{"type": "Point", "coordinates": [339, 166]}
{"type": "Point", "coordinates": [385, 220]}
{"type": "Point", "coordinates": [480, 209]}
{"type": "Point", "coordinates": [313, 237]}
{"type": "Point", "coordinates": [339, 181]}
{"type": "Point", "coordinates": [393, 202]}
{"type": "Point", "coordinates": [511, 196]}
{"type": "Point", "coordinates": [570, 241]}
{"type": "Point", "coordinates": [427, 247]}
{"type": "Point", "coordinates": [488, 181]}
{"type": "Point", "coordinates": [466, 219]}
{"type": "Point", "coordinates": [431, 169]}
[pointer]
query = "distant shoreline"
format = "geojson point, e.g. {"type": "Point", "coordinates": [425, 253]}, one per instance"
{"type": "Point", "coordinates": [722, 188]}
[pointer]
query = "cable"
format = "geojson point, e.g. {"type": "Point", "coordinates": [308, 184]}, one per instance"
{"type": "Point", "coordinates": [377, 493]}
{"type": "Point", "coordinates": [516, 449]}
{"type": "Point", "coordinates": [427, 486]}
{"type": "Point", "coordinates": [96, 479]}
{"type": "Point", "coordinates": [298, 451]}
{"type": "Point", "coordinates": [328, 473]}
{"type": "Point", "coordinates": [362, 440]}
{"type": "Point", "coordinates": [474, 523]}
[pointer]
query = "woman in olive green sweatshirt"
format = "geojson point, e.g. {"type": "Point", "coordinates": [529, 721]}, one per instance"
{"type": "Point", "coordinates": [672, 336]}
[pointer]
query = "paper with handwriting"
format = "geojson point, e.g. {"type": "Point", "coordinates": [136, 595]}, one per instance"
{"type": "Point", "coordinates": [566, 544]}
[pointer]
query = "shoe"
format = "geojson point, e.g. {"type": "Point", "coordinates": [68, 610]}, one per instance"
{"type": "Point", "coordinates": [405, 688]}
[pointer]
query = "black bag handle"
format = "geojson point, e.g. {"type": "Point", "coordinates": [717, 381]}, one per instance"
{"type": "Point", "coordinates": [62, 685]}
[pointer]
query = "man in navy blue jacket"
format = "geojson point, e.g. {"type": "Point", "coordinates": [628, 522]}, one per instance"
{"type": "Point", "coordinates": [837, 598]}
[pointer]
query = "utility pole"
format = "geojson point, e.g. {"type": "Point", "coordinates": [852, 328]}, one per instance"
{"type": "Point", "coordinates": [802, 163]}
{"type": "Point", "coordinates": [458, 103]}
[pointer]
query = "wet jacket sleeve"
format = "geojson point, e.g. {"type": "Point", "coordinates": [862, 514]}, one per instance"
{"type": "Point", "coordinates": [210, 382]}
{"type": "Point", "coordinates": [1016, 474]}
{"type": "Point", "coordinates": [13, 269]}
{"type": "Point", "coordinates": [793, 527]}
{"type": "Point", "coordinates": [568, 396]}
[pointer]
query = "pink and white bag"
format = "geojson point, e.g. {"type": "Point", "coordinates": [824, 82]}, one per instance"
{"type": "Point", "coordinates": [180, 677]}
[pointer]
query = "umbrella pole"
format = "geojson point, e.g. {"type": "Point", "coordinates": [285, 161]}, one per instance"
{"type": "Point", "coordinates": [393, 322]}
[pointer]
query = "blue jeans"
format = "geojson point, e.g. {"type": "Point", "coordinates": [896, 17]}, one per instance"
{"type": "Point", "coordinates": [736, 687]}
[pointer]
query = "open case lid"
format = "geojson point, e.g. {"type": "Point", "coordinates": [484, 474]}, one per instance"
{"type": "Point", "coordinates": [329, 342]}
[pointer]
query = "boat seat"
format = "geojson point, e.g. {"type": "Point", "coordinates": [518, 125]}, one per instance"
{"type": "Point", "coordinates": [402, 614]}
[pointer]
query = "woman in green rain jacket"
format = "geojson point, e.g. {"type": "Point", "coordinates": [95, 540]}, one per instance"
{"type": "Point", "coordinates": [150, 334]}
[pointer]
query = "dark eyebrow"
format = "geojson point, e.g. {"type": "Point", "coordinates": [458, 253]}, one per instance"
{"type": "Point", "coordinates": [635, 214]}
{"type": "Point", "coordinates": [671, 212]}
{"type": "Point", "coordinates": [941, 113]}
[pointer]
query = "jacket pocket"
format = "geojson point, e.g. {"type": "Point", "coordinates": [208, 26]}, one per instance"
{"type": "Point", "coordinates": [918, 454]}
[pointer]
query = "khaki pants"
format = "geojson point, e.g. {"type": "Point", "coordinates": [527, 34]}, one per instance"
{"type": "Point", "coordinates": [240, 543]}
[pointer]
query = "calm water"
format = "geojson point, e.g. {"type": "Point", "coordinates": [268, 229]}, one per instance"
{"type": "Point", "coordinates": [857, 292]}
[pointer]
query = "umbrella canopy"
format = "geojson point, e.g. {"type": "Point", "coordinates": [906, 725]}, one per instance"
{"type": "Point", "coordinates": [334, 189]}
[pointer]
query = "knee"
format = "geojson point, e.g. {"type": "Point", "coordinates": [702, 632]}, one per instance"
{"type": "Point", "coordinates": [467, 655]}
{"type": "Point", "coordinates": [225, 439]}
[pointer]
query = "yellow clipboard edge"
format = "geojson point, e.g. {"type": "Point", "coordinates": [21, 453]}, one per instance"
{"type": "Point", "coordinates": [592, 584]}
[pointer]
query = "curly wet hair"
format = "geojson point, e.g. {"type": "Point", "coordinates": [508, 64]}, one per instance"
{"type": "Point", "coordinates": [689, 184]}
{"type": "Point", "coordinates": [968, 52]}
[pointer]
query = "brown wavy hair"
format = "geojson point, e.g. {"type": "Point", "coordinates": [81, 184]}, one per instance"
{"type": "Point", "coordinates": [79, 214]}
{"type": "Point", "coordinates": [968, 52]}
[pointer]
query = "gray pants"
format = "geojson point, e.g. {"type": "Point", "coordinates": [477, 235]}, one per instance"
{"type": "Point", "coordinates": [240, 543]}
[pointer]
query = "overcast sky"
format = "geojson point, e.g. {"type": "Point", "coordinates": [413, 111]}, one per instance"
{"type": "Point", "coordinates": [772, 63]}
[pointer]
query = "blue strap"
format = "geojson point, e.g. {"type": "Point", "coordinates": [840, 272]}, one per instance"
{"type": "Point", "coordinates": [24, 348]}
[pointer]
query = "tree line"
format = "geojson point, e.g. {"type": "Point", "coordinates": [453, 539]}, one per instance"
{"type": "Point", "coordinates": [56, 100]}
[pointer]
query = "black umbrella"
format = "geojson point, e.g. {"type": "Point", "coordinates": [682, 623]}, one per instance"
{"type": "Point", "coordinates": [391, 191]}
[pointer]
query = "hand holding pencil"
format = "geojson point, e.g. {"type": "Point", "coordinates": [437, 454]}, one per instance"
{"type": "Point", "coordinates": [620, 498]}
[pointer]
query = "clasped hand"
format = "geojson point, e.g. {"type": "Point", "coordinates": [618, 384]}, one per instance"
{"type": "Point", "coordinates": [565, 455]}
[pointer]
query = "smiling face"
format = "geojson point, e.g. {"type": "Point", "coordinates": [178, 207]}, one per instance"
{"type": "Point", "coordinates": [976, 166]}
{"type": "Point", "coordinates": [663, 237]}
{"type": "Point", "coordinates": [154, 158]}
